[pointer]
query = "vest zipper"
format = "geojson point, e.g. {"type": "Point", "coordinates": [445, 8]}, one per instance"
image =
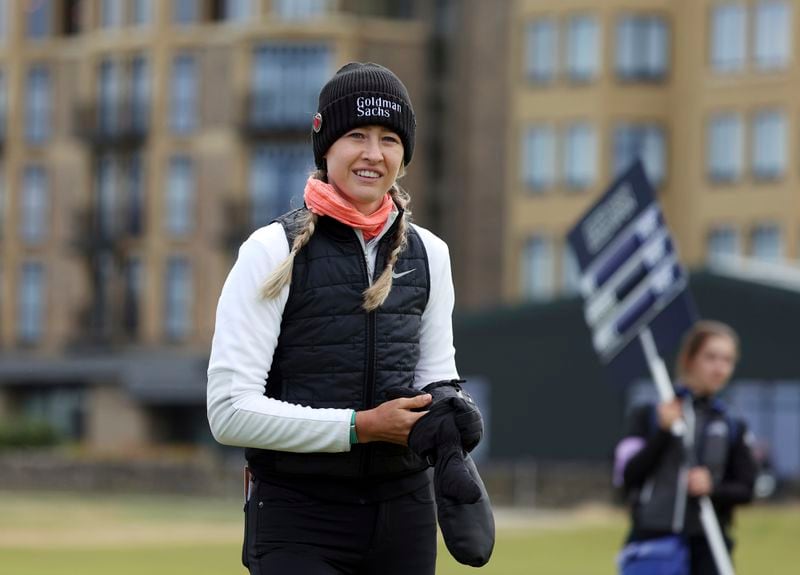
{"type": "Point", "coordinates": [369, 379]}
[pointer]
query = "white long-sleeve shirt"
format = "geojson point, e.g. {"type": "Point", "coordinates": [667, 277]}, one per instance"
{"type": "Point", "coordinates": [246, 335]}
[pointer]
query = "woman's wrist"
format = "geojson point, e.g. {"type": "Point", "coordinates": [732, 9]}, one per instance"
{"type": "Point", "coordinates": [353, 431]}
{"type": "Point", "coordinates": [361, 426]}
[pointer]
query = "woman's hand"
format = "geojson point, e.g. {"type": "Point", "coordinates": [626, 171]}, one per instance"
{"type": "Point", "coordinates": [390, 421]}
{"type": "Point", "coordinates": [700, 482]}
{"type": "Point", "coordinates": [669, 413]}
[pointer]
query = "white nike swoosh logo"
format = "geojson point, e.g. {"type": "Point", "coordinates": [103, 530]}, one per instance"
{"type": "Point", "coordinates": [396, 275]}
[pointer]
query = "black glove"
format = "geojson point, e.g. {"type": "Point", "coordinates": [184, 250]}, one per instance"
{"type": "Point", "coordinates": [463, 509]}
{"type": "Point", "coordinates": [435, 438]}
{"type": "Point", "coordinates": [468, 416]}
{"type": "Point", "coordinates": [468, 528]}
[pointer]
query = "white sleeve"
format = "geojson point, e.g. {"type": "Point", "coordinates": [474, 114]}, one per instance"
{"type": "Point", "coordinates": [245, 338]}
{"type": "Point", "coordinates": [437, 360]}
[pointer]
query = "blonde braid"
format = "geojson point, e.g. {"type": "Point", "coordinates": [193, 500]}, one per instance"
{"type": "Point", "coordinates": [283, 273]}
{"type": "Point", "coordinates": [376, 294]}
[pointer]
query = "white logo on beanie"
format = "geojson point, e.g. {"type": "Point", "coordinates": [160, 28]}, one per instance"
{"type": "Point", "coordinates": [375, 106]}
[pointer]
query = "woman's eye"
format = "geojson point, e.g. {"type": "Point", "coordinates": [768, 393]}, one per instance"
{"type": "Point", "coordinates": [357, 135]}
{"type": "Point", "coordinates": [392, 139]}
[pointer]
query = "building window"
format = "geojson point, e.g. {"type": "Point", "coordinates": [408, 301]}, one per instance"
{"type": "Point", "coordinates": [725, 148]}
{"type": "Point", "coordinates": [185, 11]}
{"type": "Point", "coordinates": [541, 51]}
{"type": "Point", "coordinates": [286, 80]}
{"type": "Point", "coordinates": [30, 303]}
{"type": "Point", "coordinates": [3, 105]}
{"type": "Point", "coordinates": [238, 10]}
{"type": "Point", "coordinates": [140, 94]}
{"type": "Point", "coordinates": [34, 206]}
{"type": "Point", "coordinates": [37, 110]}
{"type": "Point", "coordinates": [300, 9]}
{"type": "Point", "coordinates": [180, 197]}
{"type": "Point", "coordinates": [183, 108]}
{"type": "Point", "coordinates": [178, 298]}
{"type": "Point", "coordinates": [39, 19]}
{"type": "Point", "coordinates": [109, 92]}
{"type": "Point", "coordinates": [583, 48]}
{"type": "Point", "coordinates": [112, 13]}
{"type": "Point", "coordinates": [723, 244]}
{"type": "Point", "coordinates": [729, 37]}
{"type": "Point", "coordinates": [570, 273]}
{"type": "Point", "coordinates": [642, 141]}
{"type": "Point", "coordinates": [135, 197]}
{"type": "Point", "coordinates": [767, 243]}
{"type": "Point", "coordinates": [769, 145]}
{"type": "Point", "coordinates": [106, 199]}
{"type": "Point", "coordinates": [772, 412]}
{"type": "Point", "coordinates": [142, 12]}
{"type": "Point", "coordinates": [642, 48]}
{"type": "Point", "coordinates": [539, 157]}
{"type": "Point", "coordinates": [119, 196]}
{"type": "Point", "coordinates": [537, 268]}
{"type": "Point", "coordinates": [103, 297]}
{"type": "Point", "coordinates": [773, 34]}
{"type": "Point", "coordinates": [277, 177]}
{"type": "Point", "coordinates": [580, 156]}
{"type": "Point", "coordinates": [3, 21]}
{"type": "Point", "coordinates": [133, 296]}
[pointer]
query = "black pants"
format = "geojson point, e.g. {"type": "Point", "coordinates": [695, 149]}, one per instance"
{"type": "Point", "coordinates": [288, 531]}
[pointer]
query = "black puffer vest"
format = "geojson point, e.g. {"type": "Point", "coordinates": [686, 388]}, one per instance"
{"type": "Point", "coordinates": [662, 503]}
{"type": "Point", "coordinates": [332, 353]}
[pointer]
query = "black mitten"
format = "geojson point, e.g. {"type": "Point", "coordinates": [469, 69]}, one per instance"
{"type": "Point", "coordinates": [463, 509]}
{"type": "Point", "coordinates": [435, 438]}
{"type": "Point", "coordinates": [468, 416]}
{"type": "Point", "coordinates": [468, 528]}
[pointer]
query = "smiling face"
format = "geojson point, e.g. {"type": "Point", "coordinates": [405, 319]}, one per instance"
{"type": "Point", "coordinates": [712, 366]}
{"type": "Point", "coordinates": [363, 165]}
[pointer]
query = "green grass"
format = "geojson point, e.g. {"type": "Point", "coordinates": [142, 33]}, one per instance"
{"type": "Point", "coordinates": [45, 534]}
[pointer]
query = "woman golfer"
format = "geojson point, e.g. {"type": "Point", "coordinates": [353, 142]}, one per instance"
{"type": "Point", "coordinates": [325, 310]}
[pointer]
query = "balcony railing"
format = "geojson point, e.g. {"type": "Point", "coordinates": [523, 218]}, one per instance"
{"type": "Point", "coordinates": [262, 116]}
{"type": "Point", "coordinates": [122, 123]}
{"type": "Point", "coordinates": [110, 316]}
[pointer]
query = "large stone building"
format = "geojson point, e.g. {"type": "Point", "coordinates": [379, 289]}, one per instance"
{"type": "Point", "coordinates": [704, 91]}
{"type": "Point", "coordinates": [142, 142]}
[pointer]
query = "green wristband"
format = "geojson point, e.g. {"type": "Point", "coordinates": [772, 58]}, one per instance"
{"type": "Point", "coordinates": [353, 434]}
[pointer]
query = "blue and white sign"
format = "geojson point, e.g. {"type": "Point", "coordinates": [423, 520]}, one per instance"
{"type": "Point", "coordinates": [630, 273]}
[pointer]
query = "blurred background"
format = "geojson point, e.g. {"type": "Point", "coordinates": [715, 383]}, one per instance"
{"type": "Point", "coordinates": [141, 141]}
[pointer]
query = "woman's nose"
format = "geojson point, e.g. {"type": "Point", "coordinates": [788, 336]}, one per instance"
{"type": "Point", "coordinates": [372, 150]}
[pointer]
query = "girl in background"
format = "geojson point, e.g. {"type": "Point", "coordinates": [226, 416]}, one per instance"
{"type": "Point", "coordinates": [663, 480]}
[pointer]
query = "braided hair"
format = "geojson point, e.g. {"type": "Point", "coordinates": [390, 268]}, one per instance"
{"type": "Point", "coordinates": [374, 295]}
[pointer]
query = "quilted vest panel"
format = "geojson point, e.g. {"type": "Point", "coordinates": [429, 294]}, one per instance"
{"type": "Point", "coordinates": [332, 353]}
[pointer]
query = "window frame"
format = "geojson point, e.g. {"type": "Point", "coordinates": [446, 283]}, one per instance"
{"type": "Point", "coordinates": [642, 26]}
{"type": "Point", "coordinates": [771, 62]}
{"type": "Point", "coordinates": [532, 289]}
{"type": "Point", "coordinates": [760, 171]}
{"type": "Point", "coordinates": [725, 121]}
{"type": "Point", "coordinates": [572, 70]}
{"type": "Point", "coordinates": [549, 73]}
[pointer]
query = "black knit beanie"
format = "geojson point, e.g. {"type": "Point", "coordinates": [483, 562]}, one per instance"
{"type": "Point", "coordinates": [360, 95]}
